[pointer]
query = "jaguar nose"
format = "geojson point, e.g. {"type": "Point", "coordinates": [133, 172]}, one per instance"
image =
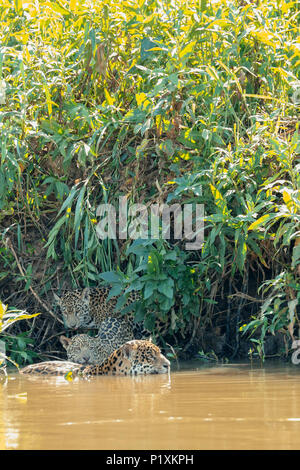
{"type": "Point", "coordinates": [71, 323]}
{"type": "Point", "coordinates": [164, 369]}
{"type": "Point", "coordinates": [166, 362]}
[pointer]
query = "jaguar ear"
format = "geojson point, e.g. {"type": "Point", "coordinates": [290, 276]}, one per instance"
{"type": "Point", "coordinates": [128, 349]}
{"type": "Point", "coordinates": [85, 296]}
{"type": "Point", "coordinates": [57, 299]}
{"type": "Point", "coordinates": [64, 341]}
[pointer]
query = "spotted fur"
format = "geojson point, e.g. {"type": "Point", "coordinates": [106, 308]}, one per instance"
{"type": "Point", "coordinates": [135, 357]}
{"type": "Point", "coordinates": [85, 349]}
{"type": "Point", "coordinates": [88, 308]}
{"type": "Point", "coordinates": [53, 368]}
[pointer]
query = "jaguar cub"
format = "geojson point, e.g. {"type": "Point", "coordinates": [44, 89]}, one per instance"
{"type": "Point", "coordinates": [84, 349]}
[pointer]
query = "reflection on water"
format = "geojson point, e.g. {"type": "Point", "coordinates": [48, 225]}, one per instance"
{"type": "Point", "coordinates": [222, 407]}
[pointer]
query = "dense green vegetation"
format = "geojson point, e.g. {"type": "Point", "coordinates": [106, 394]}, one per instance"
{"type": "Point", "coordinates": [172, 101]}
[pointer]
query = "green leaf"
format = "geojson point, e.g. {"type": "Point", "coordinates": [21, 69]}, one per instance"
{"type": "Point", "coordinates": [170, 256]}
{"type": "Point", "coordinates": [241, 254]}
{"type": "Point", "coordinates": [259, 222]}
{"type": "Point", "coordinates": [166, 288]}
{"type": "Point", "coordinates": [78, 214]}
{"type": "Point", "coordinates": [149, 322]}
{"type": "Point", "coordinates": [139, 313]}
{"type": "Point", "coordinates": [115, 291]}
{"type": "Point", "coordinates": [52, 237]}
{"type": "Point", "coordinates": [69, 200]}
{"type": "Point", "coordinates": [296, 255]}
{"type": "Point", "coordinates": [111, 277]}
{"type": "Point", "coordinates": [150, 286]}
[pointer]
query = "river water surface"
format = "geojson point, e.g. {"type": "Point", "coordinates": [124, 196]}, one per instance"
{"type": "Point", "coordinates": [238, 406]}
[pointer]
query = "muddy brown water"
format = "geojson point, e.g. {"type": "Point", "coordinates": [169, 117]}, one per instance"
{"type": "Point", "coordinates": [235, 406]}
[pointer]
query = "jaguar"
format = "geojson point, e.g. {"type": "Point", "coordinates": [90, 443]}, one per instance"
{"type": "Point", "coordinates": [135, 357]}
{"type": "Point", "coordinates": [85, 349]}
{"type": "Point", "coordinates": [89, 307]}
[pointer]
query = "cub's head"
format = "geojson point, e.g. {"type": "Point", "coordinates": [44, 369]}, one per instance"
{"type": "Point", "coordinates": [75, 308]}
{"type": "Point", "coordinates": [83, 349]}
